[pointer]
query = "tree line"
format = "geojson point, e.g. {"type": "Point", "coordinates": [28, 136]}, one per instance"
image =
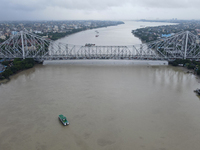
{"type": "Point", "coordinates": [189, 64]}
{"type": "Point", "coordinates": [15, 66]}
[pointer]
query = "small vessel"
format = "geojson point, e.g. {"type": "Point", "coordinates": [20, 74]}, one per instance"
{"type": "Point", "coordinates": [97, 35]}
{"type": "Point", "coordinates": [63, 120]}
{"type": "Point", "coordinates": [197, 91]}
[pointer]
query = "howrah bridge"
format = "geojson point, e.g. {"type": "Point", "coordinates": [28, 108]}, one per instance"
{"type": "Point", "coordinates": [183, 45]}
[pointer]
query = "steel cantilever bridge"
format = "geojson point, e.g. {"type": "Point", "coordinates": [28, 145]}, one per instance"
{"type": "Point", "coordinates": [183, 45]}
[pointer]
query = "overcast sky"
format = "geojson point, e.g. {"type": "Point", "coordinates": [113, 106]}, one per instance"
{"type": "Point", "coordinates": [98, 9]}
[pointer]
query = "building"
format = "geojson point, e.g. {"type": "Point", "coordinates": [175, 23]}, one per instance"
{"type": "Point", "coordinates": [166, 35]}
{"type": "Point", "coordinates": [40, 32]}
{"type": "Point", "coordinates": [14, 32]}
{"type": "Point", "coordinates": [3, 37]}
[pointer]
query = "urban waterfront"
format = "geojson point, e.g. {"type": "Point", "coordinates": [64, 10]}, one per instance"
{"type": "Point", "coordinates": [109, 106]}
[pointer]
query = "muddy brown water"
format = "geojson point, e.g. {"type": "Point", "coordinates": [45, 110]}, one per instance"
{"type": "Point", "coordinates": [109, 107]}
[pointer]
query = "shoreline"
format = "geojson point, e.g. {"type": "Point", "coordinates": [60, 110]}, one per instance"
{"type": "Point", "coordinates": [11, 76]}
{"type": "Point", "coordinates": [86, 30]}
{"type": "Point", "coordinates": [4, 81]}
{"type": "Point", "coordinates": [187, 71]}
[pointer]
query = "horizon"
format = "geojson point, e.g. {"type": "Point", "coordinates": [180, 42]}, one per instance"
{"type": "Point", "coordinates": [101, 20]}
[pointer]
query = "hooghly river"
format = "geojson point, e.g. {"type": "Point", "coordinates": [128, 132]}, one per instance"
{"type": "Point", "coordinates": [109, 107]}
{"type": "Point", "coordinates": [110, 36]}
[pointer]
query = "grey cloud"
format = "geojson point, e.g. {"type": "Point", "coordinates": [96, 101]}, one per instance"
{"type": "Point", "coordinates": [35, 5]}
{"type": "Point", "coordinates": [95, 9]}
{"type": "Point", "coordinates": [170, 3]}
{"type": "Point", "coordinates": [24, 5]}
{"type": "Point", "coordinates": [31, 5]}
{"type": "Point", "coordinates": [85, 4]}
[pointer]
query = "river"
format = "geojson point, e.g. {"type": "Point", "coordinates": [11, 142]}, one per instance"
{"type": "Point", "coordinates": [109, 106]}
{"type": "Point", "coordinates": [111, 36]}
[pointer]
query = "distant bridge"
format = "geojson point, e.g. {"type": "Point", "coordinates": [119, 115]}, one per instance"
{"type": "Point", "coordinates": [183, 45]}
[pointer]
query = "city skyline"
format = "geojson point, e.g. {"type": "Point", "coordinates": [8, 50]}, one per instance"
{"type": "Point", "coordinates": [98, 9]}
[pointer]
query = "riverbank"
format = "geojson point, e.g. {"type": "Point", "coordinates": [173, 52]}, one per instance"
{"type": "Point", "coordinates": [14, 66]}
{"type": "Point", "coordinates": [184, 68]}
{"type": "Point", "coordinates": [194, 66]}
{"type": "Point", "coordinates": [149, 34]}
{"type": "Point", "coordinates": [57, 35]}
{"type": "Point", "coordinates": [4, 81]}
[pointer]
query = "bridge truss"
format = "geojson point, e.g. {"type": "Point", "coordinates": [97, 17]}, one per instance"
{"type": "Point", "coordinates": [183, 45]}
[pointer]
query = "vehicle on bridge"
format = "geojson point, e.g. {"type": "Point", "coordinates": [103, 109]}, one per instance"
{"type": "Point", "coordinates": [89, 45]}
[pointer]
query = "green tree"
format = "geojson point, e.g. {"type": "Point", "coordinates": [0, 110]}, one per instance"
{"type": "Point", "coordinates": [6, 63]}
{"type": "Point", "coordinates": [7, 73]}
